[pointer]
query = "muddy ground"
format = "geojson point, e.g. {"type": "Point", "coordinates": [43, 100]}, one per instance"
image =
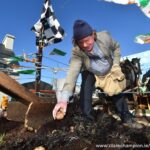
{"type": "Point", "coordinates": [74, 133]}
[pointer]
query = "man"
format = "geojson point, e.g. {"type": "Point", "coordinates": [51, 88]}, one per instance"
{"type": "Point", "coordinates": [94, 53]}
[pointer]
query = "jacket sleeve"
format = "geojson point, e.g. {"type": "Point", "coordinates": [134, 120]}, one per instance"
{"type": "Point", "coordinates": [72, 75]}
{"type": "Point", "coordinates": [115, 47]}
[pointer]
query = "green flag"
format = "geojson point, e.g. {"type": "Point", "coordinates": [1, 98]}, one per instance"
{"type": "Point", "coordinates": [13, 59]}
{"type": "Point", "coordinates": [144, 3]}
{"type": "Point", "coordinates": [143, 38]}
{"type": "Point", "coordinates": [23, 71]}
{"type": "Point", "coordinates": [56, 51]}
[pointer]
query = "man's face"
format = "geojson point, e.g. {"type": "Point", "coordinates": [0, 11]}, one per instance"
{"type": "Point", "coordinates": [86, 43]}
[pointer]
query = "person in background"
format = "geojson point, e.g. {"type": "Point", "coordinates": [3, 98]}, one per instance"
{"type": "Point", "coordinates": [3, 106]}
{"type": "Point", "coordinates": [94, 53]}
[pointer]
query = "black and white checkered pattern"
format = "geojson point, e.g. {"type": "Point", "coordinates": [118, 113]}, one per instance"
{"type": "Point", "coordinates": [47, 28]}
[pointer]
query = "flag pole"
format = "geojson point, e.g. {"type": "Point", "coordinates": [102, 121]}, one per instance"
{"type": "Point", "coordinates": [49, 28]}
{"type": "Point", "coordinates": [38, 63]}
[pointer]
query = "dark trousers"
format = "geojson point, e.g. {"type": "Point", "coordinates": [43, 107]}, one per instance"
{"type": "Point", "coordinates": [87, 88]}
{"type": "Point", "coordinates": [120, 104]}
{"type": "Point", "coordinates": [86, 92]}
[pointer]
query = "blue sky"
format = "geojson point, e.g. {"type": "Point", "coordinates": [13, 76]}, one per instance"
{"type": "Point", "coordinates": [124, 22]}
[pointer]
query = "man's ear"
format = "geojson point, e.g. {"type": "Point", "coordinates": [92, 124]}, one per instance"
{"type": "Point", "coordinates": [74, 42]}
{"type": "Point", "coordinates": [94, 35]}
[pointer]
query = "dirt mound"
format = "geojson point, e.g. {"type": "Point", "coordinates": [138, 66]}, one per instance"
{"type": "Point", "coordinates": [73, 133]}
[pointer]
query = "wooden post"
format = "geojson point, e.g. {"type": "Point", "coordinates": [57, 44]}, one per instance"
{"type": "Point", "coordinates": [38, 63]}
{"type": "Point", "coordinates": [16, 90]}
{"type": "Point", "coordinates": [38, 69]}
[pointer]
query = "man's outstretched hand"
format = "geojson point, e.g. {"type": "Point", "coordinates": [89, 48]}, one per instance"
{"type": "Point", "coordinates": [59, 110]}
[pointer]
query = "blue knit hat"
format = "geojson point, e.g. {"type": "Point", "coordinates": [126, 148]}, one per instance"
{"type": "Point", "coordinates": [81, 29]}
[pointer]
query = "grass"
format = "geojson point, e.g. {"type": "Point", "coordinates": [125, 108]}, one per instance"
{"type": "Point", "coordinates": [2, 139]}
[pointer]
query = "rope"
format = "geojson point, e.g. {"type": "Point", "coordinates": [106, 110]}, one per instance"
{"type": "Point", "coordinates": [128, 91]}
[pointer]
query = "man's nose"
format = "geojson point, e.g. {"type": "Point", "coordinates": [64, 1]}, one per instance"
{"type": "Point", "coordinates": [85, 44]}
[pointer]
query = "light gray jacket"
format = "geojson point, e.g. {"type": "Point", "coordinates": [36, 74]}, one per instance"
{"type": "Point", "coordinates": [80, 60]}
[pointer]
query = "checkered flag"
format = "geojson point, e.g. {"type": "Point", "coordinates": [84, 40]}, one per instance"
{"type": "Point", "coordinates": [47, 28]}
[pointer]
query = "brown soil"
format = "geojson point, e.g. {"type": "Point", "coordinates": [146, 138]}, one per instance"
{"type": "Point", "coordinates": [74, 133]}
